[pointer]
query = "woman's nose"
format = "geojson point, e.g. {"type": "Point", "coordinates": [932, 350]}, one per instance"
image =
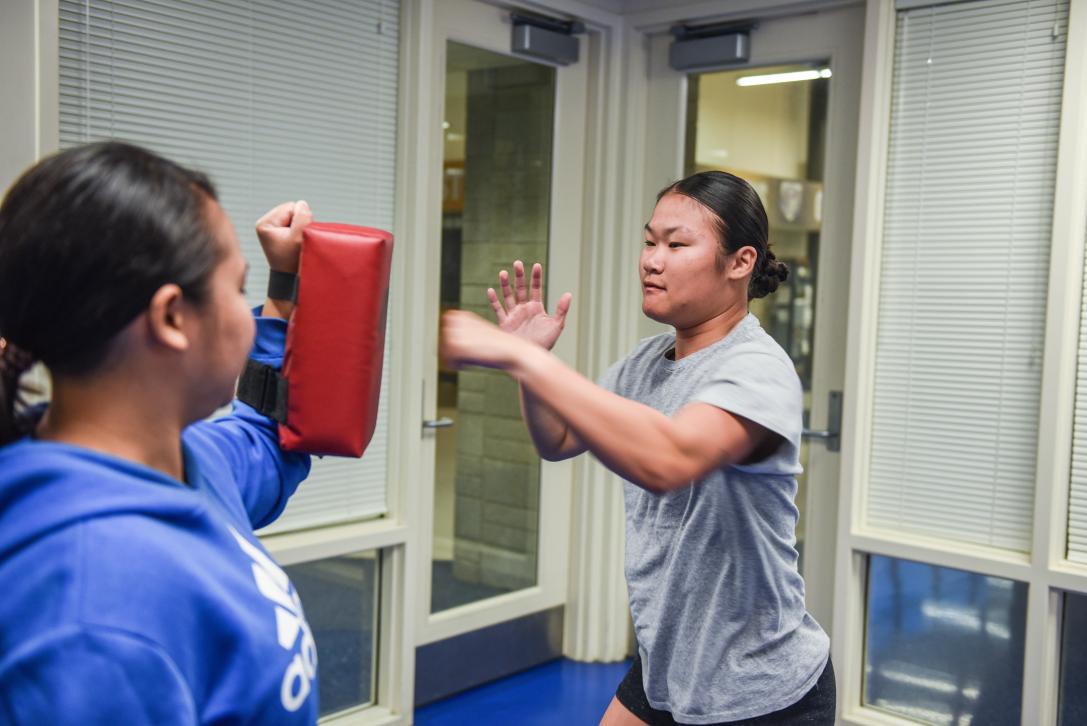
{"type": "Point", "coordinates": [651, 260]}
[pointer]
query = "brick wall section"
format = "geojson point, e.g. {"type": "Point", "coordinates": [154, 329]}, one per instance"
{"type": "Point", "coordinates": [506, 215]}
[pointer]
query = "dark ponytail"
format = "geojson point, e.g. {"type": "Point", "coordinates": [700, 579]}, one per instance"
{"type": "Point", "coordinates": [741, 222]}
{"type": "Point", "coordinates": [86, 238]}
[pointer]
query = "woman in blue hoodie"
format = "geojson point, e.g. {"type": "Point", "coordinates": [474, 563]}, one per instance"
{"type": "Point", "coordinates": [134, 588]}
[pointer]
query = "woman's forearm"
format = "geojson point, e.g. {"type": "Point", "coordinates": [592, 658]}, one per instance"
{"type": "Point", "coordinates": [553, 438]}
{"type": "Point", "coordinates": [635, 441]}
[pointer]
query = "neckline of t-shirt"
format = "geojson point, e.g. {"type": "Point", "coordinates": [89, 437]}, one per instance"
{"type": "Point", "coordinates": [673, 365]}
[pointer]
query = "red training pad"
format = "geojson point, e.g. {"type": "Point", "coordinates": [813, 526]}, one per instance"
{"type": "Point", "coordinates": [336, 340]}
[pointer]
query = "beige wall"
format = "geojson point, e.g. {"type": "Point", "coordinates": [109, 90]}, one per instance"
{"type": "Point", "coordinates": [760, 129]}
{"type": "Point", "coordinates": [456, 109]}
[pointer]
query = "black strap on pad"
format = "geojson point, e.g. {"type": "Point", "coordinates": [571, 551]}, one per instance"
{"type": "Point", "coordinates": [265, 389]}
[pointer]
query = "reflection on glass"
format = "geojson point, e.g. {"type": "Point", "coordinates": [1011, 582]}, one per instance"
{"type": "Point", "coordinates": [340, 596]}
{"type": "Point", "coordinates": [774, 136]}
{"type": "Point", "coordinates": [944, 646]}
{"type": "Point", "coordinates": [1073, 690]}
{"type": "Point", "coordinates": [499, 115]}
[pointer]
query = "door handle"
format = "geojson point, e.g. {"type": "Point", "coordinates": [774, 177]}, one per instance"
{"type": "Point", "coordinates": [438, 423]}
{"type": "Point", "coordinates": [833, 432]}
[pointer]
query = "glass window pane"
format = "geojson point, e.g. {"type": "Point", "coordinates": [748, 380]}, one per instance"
{"type": "Point", "coordinates": [499, 119]}
{"type": "Point", "coordinates": [339, 595]}
{"type": "Point", "coordinates": [944, 646]}
{"type": "Point", "coordinates": [1073, 693]}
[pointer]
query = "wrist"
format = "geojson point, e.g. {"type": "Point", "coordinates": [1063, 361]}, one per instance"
{"type": "Point", "coordinates": [529, 361]}
{"type": "Point", "coordinates": [277, 309]}
{"type": "Point", "coordinates": [282, 285]}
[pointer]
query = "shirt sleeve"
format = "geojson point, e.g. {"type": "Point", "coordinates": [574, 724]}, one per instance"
{"type": "Point", "coordinates": [266, 475]}
{"type": "Point", "coordinates": [95, 678]}
{"type": "Point", "coordinates": [763, 388]}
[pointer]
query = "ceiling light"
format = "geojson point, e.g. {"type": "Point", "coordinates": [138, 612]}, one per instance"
{"type": "Point", "coordinates": [790, 77]}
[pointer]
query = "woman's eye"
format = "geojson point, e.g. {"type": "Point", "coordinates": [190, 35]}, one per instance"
{"type": "Point", "coordinates": [674, 245]}
{"type": "Point", "coordinates": [649, 243]}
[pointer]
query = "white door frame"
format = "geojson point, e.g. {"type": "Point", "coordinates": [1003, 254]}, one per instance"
{"type": "Point", "coordinates": [835, 36]}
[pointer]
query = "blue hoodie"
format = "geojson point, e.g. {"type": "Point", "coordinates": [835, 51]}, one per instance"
{"type": "Point", "coordinates": [127, 597]}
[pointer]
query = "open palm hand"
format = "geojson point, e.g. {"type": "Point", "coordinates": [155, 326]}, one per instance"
{"type": "Point", "coordinates": [521, 311]}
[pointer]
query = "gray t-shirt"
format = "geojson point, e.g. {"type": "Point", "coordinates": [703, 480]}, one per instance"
{"type": "Point", "coordinates": [717, 601]}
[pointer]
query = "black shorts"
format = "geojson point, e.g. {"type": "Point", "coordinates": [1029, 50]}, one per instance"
{"type": "Point", "coordinates": [816, 708]}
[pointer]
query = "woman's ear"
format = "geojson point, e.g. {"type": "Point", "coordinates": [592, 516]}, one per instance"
{"type": "Point", "coordinates": [741, 263]}
{"type": "Point", "coordinates": [165, 318]}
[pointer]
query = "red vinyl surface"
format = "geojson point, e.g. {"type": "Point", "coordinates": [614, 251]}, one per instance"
{"type": "Point", "coordinates": [336, 340]}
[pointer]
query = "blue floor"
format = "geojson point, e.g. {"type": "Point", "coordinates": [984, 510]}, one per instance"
{"type": "Point", "coordinates": [560, 692]}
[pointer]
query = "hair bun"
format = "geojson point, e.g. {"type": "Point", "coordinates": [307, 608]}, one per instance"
{"type": "Point", "coordinates": [773, 272]}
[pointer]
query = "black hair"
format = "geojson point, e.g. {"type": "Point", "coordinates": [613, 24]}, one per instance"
{"type": "Point", "coordinates": [86, 238]}
{"type": "Point", "coordinates": [740, 219]}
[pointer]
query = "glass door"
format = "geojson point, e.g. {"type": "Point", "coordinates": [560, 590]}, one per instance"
{"type": "Point", "coordinates": [510, 170]}
{"type": "Point", "coordinates": [786, 121]}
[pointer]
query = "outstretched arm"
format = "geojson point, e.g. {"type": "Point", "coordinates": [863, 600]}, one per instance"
{"type": "Point", "coordinates": [644, 446]}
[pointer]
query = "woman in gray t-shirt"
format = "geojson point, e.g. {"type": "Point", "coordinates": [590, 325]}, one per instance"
{"type": "Point", "coordinates": [703, 424]}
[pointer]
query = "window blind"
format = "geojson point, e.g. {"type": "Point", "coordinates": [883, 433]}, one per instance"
{"type": "Point", "coordinates": [972, 154]}
{"type": "Point", "coordinates": [275, 100]}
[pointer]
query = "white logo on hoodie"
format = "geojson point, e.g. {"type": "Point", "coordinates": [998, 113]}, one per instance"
{"type": "Point", "coordinates": [274, 584]}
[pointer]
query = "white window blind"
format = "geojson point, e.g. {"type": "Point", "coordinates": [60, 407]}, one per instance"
{"type": "Point", "coordinates": [276, 101]}
{"type": "Point", "coordinates": [969, 197]}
